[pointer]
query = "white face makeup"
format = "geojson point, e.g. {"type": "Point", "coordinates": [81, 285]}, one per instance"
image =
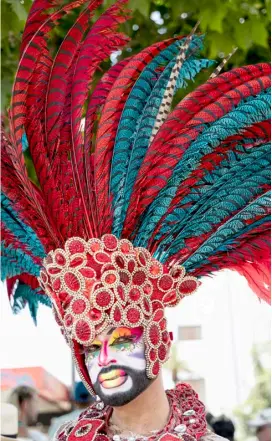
{"type": "Point", "coordinates": [117, 366]}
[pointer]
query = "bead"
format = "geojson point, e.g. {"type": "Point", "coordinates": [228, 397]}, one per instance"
{"type": "Point", "coordinates": [181, 428]}
{"type": "Point", "coordinates": [100, 405]}
{"type": "Point", "coordinates": [116, 438]}
{"type": "Point", "coordinates": [192, 420]}
{"type": "Point", "coordinates": [189, 412]}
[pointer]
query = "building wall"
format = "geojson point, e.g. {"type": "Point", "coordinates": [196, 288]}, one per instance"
{"type": "Point", "coordinates": [231, 319]}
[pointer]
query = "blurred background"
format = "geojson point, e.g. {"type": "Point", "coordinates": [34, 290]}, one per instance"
{"type": "Point", "coordinates": [222, 333]}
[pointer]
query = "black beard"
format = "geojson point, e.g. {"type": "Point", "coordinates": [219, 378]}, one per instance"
{"type": "Point", "coordinates": [140, 382]}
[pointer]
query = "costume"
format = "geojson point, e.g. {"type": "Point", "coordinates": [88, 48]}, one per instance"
{"type": "Point", "coordinates": [134, 202]}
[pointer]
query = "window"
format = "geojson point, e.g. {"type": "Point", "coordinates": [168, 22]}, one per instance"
{"type": "Point", "coordinates": [189, 333]}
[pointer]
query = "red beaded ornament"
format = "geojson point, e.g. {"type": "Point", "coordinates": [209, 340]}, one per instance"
{"type": "Point", "coordinates": [109, 283]}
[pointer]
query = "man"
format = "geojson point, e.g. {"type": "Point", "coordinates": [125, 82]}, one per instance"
{"type": "Point", "coordinates": [223, 426]}
{"type": "Point", "coordinates": [9, 421]}
{"type": "Point", "coordinates": [262, 425]}
{"type": "Point", "coordinates": [81, 400]}
{"type": "Point", "coordinates": [25, 399]}
{"type": "Point", "coordinates": [132, 208]}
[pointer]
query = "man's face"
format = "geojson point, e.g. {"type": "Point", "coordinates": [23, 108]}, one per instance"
{"type": "Point", "coordinates": [264, 434]}
{"type": "Point", "coordinates": [117, 366]}
{"type": "Point", "coordinates": [30, 406]}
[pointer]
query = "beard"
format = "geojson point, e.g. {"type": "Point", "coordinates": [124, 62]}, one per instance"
{"type": "Point", "coordinates": [139, 382]}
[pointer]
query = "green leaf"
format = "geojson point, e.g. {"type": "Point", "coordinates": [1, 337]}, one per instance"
{"type": "Point", "coordinates": [259, 33]}
{"type": "Point", "coordinates": [18, 9]}
{"type": "Point", "coordinates": [143, 6]}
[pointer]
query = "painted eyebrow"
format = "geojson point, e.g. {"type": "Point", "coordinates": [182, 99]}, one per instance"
{"type": "Point", "coordinates": [110, 331]}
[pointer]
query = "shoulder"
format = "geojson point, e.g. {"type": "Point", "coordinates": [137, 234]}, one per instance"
{"type": "Point", "coordinates": [91, 414]}
{"type": "Point", "coordinates": [210, 436]}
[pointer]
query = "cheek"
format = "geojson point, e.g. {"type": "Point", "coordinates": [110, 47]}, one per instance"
{"type": "Point", "coordinates": [133, 357]}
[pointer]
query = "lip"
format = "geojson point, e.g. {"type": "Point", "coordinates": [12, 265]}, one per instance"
{"type": "Point", "coordinates": [114, 378]}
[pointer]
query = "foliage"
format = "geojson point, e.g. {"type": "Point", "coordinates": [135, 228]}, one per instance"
{"type": "Point", "coordinates": [260, 396]}
{"type": "Point", "coordinates": [226, 23]}
{"type": "Point", "coordinates": [175, 365]}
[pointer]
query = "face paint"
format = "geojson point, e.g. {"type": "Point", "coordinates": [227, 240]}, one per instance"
{"type": "Point", "coordinates": [117, 366]}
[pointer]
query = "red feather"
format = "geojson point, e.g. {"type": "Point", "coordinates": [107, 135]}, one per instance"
{"type": "Point", "coordinates": [108, 125]}
{"type": "Point", "coordinates": [102, 40]}
{"type": "Point", "coordinates": [207, 103]}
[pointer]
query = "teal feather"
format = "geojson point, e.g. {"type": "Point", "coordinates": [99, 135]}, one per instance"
{"type": "Point", "coordinates": [17, 259]}
{"type": "Point", "coordinates": [223, 180]}
{"type": "Point", "coordinates": [20, 230]}
{"type": "Point", "coordinates": [235, 227]}
{"type": "Point", "coordinates": [131, 114]}
{"type": "Point", "coordinates": [249, 111]}
{"type": "Point", "coordinates": [189, 70]}
{"type": "Point", "coordinates": [33, 297]}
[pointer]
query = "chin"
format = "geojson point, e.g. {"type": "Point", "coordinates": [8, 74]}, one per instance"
{"type": "Point", "coordinates": [136, 383]}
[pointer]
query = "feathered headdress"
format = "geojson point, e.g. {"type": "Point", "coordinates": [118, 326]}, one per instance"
{"type": "Point", "coordinates": [132, 202]}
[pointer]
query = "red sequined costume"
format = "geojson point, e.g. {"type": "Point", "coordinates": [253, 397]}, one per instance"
{"type": "Point", "coordinates": [131, 202]}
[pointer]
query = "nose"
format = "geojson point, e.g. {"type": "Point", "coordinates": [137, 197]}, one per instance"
{"type": "Point", "coordinates": [104, 358]}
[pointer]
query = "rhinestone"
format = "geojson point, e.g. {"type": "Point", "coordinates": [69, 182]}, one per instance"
{"type": "Point", "coordinates": [181, 428]}
{"type": "Point", "coordinates": [189, 412]}
{"type": "Point", "coordinates": [192, 420]}
{"type": "Point", "coordinates": [116, 438]}
{"type": "Point", "coordinates": [100, 405]}
{"type": "Point", "coordinates": [131, 438]}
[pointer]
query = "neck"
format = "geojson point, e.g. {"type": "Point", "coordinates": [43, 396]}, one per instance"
{"type": "Point", "coordinates": [22, 430]}
{"type": "Point", "coordinates": [134, 417]}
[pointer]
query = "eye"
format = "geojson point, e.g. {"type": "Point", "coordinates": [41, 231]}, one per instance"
{"type": "Point", "coordinates": [93, 348]}
{"type": "Point", "coordinates": [121, 340]}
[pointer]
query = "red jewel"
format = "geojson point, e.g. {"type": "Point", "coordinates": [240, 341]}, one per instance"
{"type": "Point", "coordinates": [102, 257]}
{"type": "Point", "coordinates": [72, 281]}
{"type": "Point", "coordinates": [110, 279]}
{"type": "Point", "coordinates": [103, 298]}
{"type": "Point", "coordinates": [69, 320]}
{"type": "Point", "coordinates": [156, 368]}
{"type": "Point", "coordinates": [162, 352]}
{"type": "Point", "coordinates": [170, 297]}
{"type": "Point", "coordinates": [56, 284]}
{"type": "Point", "coordinates": [120, 262]}
{"type": "Point", "coordinates": [87, 272]}
{"type": "Point", "coordinates": [83, 330]}
{"type": "Point", "coordinates": [121, 292]}
{"type": "Point", "coordinates": [133, 315]}
{"type": "Point", "coordinates": [76, 246]}
{"type": "Point", "coordinates": [125, 248]}
{"type": "Point", "coordinates": [124, 277]}
{"type": "Point", "coordinates": [159, 314]}
{"type": "Point", "coordinates": [117, 316]}
{"type": "Point", "coordinates": [138, 278]}
{"type": "Point", "coordinates": [78, 306]}
{"type": "Point", "coordinates": [134, 294]}
{"type": "Point", "coordinates": [141, 258]}
{"type": "Point", "coordinates": [188, 286]}
{"type": "Point", "coordinates": [153, 354]}
{"type": "Point", "coordinates": [53, 271]}
{"type": "Point", "coordinates": [95, 314]}
{"type": "Point", "coordinates": [131, 265]}
{"type": "Point", "coordinates": [165, 283]}
{"type": "Point", "coordinates": [95, 246]}
{"type": "Point", "coordinates": [76, 261]}
{"type": "Point", "coordinates": [154, 335]}
{"type": "Point", "coordinates": [146, 306]}
{"type": "Point", "coordinates": [155, 269]}
{"type": "Point", "coordinates": [110, 242]}
{"type": "Point", "coordinates": [60, 259]}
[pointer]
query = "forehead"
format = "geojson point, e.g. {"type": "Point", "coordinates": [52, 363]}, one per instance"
{"type": "Point", "coordinates": [122, 330]}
